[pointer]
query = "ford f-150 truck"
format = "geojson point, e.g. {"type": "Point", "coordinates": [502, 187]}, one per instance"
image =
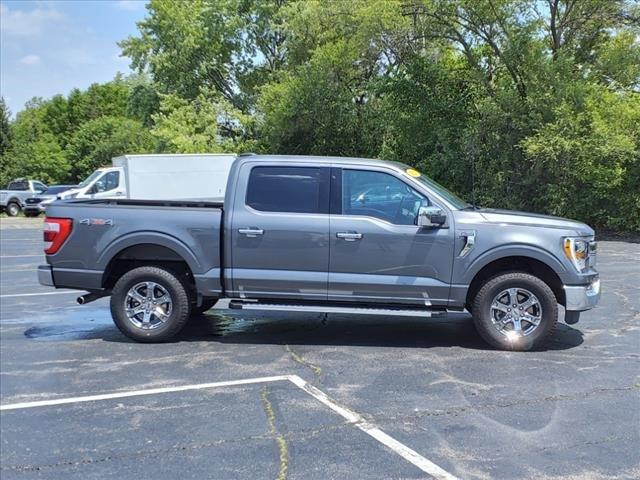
{"type": "Point", "coordinates": [321, 234]}
{"type": "Point", "coordinates": [12, 199]}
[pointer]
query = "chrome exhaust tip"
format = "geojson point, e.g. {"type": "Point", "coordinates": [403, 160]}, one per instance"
{"type": "Point", "coordinates": [90, 297]}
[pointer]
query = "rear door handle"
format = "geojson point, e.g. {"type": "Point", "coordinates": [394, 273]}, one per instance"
{"type": "Point", "coordinates": [251, 231]}
{"type": "Point", "coordinates": [349, 236]}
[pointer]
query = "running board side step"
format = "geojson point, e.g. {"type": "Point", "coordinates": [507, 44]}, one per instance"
{"type": "Point", "coordinates": [283, 307]}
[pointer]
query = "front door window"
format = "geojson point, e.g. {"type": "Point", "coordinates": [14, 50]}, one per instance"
{"type": "Point", "coordinates": [379, 195]}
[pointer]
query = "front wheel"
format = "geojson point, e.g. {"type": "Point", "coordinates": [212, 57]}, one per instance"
{"type": "Point", "coordinates": [13, 209]}
{"type": "Point", "coordinates": [150, 304]}
{"type": "Point", "coordinates": [515, 311]}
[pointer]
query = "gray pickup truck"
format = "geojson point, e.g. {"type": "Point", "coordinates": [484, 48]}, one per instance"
{"type": "Point", "coordinates": [322, 234]}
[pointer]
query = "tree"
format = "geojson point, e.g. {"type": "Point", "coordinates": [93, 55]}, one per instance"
{"type": "Point", "coordinates": [207, 124]}
{"type": "Point", "coordinates": [187, 46]}
{"type": "Point", "coordinates": [36, 152]}
{"type": "Point", "coordinates": [143, 100]}
{"type": "Point", "coordinates": [5, 128]}
{"type": "Point", "coordinates": [97, 141]}
{"type": "Point", "coordinates": [226, 46]}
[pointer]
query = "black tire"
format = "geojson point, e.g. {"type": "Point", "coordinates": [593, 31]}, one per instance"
{"type": "Point", "coordinates": [175, 288]}
{"type": "Point", "coordinates": [13, 209]}
{"type": "Point", "coordinates": [31, 214]}
{"type": "Point", "coordinates": [482, 312]}
{"type": "Point", "coordinates": [207, 303]}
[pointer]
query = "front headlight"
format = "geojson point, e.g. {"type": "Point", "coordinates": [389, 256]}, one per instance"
{"type": "Point", "coordinates": [577, 251]}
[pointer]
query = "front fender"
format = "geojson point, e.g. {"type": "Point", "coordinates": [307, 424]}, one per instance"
{"type": "Point", "coordinates": [476, 264]}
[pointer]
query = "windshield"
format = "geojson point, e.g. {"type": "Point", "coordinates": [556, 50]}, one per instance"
{"type": "Point", "coordinates": [449, 196]}
{"type": "Point", "coordinates": [90, 178]}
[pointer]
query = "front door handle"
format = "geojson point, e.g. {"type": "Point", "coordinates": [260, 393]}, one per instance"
{"type": "Point", "coordinates": [251, 231]}
{"type": "Point", "coordinates": [349, 236]}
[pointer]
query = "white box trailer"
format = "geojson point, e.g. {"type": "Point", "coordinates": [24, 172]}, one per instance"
{"type": "Point", "coordinates": [200, 176]}
{"type": "Point", "coordinates": [175, 177]}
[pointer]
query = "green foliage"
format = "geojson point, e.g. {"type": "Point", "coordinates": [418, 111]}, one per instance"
{"type": "Point", "coordinates": [5, 128]}
{"type": "Point", "coordinates": [207, 124]}
{"type": "Point", "coordinates": [97, 141]}
{"type": "Point", "coordinates": [36, 152]}
{"type": "Point", "coordinates": [62, 139]}
{"type": "Point", "coordinates": [531, 105]}
{"type": "Point", "coordinates": [590, 157]}
{"type": "Point", "coordinates": [187, 45]}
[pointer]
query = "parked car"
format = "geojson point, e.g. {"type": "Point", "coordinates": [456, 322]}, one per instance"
{"type": "Point", "coordinates": [153, 177]}
{"type": "Point", "coordinates": [12, 198]}
{"type": "Point", "coordinates": [34, 206]}
{"type": "Point", "coordinates": [291, 234]}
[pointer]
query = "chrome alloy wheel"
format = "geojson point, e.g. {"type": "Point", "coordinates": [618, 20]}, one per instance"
{"type": "Point", "coordinates": [516, 312]}
{"type": "Point", "coordinates": [148, 305]}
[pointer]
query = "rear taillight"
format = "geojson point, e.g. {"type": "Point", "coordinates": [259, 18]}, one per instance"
{"type": "Point", "coordinates": [56, 231]}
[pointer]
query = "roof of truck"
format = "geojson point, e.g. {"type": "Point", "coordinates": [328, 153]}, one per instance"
{"type": "Point", "coordinates": [324, 160]}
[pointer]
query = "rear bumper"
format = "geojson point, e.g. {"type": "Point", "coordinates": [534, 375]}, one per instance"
{"type": "Point", "coordinates": [45, 276]}
{"type": "Point", "coordinates": [78, 279]}
{"type": "Point", "coordinates": [582, 297]}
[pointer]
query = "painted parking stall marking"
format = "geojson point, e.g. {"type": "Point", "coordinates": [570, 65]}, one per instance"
{"type": "Point", "coordinates": [351, 416]}
{"type": "Point", "coordinates": [11, 295]}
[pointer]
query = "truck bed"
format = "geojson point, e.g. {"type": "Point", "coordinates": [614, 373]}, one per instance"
{"type": "Point", "coordinates": [108, 230]}
{"type": "Point", "coordinates": [205, 203]}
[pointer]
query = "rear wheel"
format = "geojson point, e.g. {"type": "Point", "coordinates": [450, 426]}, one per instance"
{"type": "Point", "coordinates": [150, 304]}
{"type": "Point", "coordinates": [515, 311]}
{"type": "Point", "coordinates": [13, 209]}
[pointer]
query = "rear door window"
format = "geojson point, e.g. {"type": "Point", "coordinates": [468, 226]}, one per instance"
{"type": "Point", "coordinates": [20, 185]}
{"type": "Point", "coordinates": [289, 189]}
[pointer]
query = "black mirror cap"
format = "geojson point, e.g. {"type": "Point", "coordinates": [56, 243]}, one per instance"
{"type": "Point", "coordinates": [439, 219]}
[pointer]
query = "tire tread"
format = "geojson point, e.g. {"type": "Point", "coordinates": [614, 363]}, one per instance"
{"type": "Point", "coordinates": [486, 330]}
{"type": "Point", "coordinates": [182, 301]}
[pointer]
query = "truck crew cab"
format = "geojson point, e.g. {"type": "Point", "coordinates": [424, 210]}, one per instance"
{"type": "Point", "coordinates": [329, 235]}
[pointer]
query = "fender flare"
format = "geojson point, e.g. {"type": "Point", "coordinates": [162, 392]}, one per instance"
{"type": "Point", "coordinates": [150, 237]}
{"type": "Point", "coordinates": [518, 250]}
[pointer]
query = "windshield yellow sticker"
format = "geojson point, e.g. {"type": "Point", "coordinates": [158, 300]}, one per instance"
{"type": "Point", "coordinates": [412, 172]}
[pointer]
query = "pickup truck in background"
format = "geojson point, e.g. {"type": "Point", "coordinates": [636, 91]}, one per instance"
{"type": "Point", "coordinates": [322, 234]}
{"type": "Point", "coordinates": [12, 199]}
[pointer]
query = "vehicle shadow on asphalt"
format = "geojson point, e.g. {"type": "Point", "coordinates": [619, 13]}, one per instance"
{"type": "Point", "coordinates": [352, 331]}
{"type": "Point", "coordinates": [289, 328]}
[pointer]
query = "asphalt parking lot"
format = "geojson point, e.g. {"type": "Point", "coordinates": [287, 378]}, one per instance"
{"type": "Point", "coordinates": [303, 396]}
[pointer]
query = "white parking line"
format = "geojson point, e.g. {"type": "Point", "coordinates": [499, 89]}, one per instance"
{"type": "Point", "coordinates": [136, 393]}
{"type": "Point", "coordinates": [352, 417]}
{"type": "Point", "coordinates": [9, 295]}
{"type": "Point", "coordinates": [372, 430]}
{"type": "Point", "coordinates": [30, 239]}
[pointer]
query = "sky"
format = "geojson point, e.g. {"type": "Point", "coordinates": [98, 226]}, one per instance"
{"type": "Point", "coordinates": [50, 47]}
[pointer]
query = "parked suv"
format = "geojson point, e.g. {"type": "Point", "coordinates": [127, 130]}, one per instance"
{"type": "Point", "coordinates": [12, 199]}
{"type": "Point", "coordinates": [37, 204]}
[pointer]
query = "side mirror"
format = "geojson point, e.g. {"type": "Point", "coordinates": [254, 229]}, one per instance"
{"type": "Point", "coordinates": [430, 217]}
{"type": "Point", "coordinates": [97, 187]}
